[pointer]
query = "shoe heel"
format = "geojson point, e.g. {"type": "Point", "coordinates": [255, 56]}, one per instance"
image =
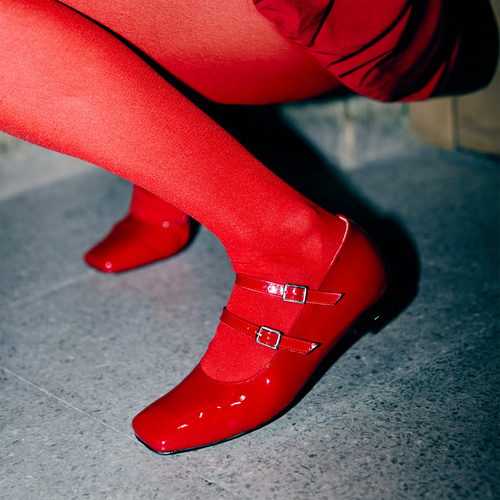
{"type": "Point", "coordinates": [376, 318]}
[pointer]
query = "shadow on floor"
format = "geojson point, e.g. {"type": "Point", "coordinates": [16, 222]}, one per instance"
{"type": "Point", "coordinates": [264, 132]}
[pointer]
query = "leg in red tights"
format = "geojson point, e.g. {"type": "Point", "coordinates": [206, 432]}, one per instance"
{"type": "Point", "coordinates": [255, 66]}
{"type": "Point", "coordinates": [70, 86]}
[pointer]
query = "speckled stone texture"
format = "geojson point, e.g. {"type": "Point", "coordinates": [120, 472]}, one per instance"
{"type": "Point", "coordinates": [408, 412]}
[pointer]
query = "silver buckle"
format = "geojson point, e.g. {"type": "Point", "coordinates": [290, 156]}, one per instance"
{"type": "Point", "coordinates": [269, 330]}
{"type": "Point", "coordinates": [296, 301]}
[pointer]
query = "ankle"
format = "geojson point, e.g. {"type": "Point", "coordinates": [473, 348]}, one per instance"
{"type": "Point", "coordinates": [303, 259]}
{"type": "Point", "coordinates": [150, 208]}
{"type": "Point", "coordinates": [300, 252]}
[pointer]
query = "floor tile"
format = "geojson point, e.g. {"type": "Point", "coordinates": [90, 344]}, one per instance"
{"type": "Point", "coordinates": [408, 412]}
{"type": "Point", "coordinates": [53, 450]}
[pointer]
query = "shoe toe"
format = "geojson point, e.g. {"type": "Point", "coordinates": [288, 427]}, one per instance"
{"type": "Point", "coordinates": [202, 411]}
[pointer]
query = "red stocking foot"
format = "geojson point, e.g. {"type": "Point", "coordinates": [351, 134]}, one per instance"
{"type": "Point", "coordinates": [207, 408]}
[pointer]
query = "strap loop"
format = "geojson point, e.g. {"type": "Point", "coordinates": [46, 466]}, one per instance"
{"type": "Point", "coordinates": [266, 336]}
{"type": "Point", "coordinates": [289, 293]}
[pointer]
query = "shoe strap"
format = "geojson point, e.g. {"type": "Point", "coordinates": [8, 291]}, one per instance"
{"type": "Point", "coordinates": [289, 293]}
{"type": "Point", "coordinates": [267, 336]}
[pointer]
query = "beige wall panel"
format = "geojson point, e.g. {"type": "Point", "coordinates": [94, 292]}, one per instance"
{"type": "Point", "coordinates": [433, 121]}
{"type": "Point", "coordinates": [471, 121]}
{"type": "Point", "coordinates": [478, 114]}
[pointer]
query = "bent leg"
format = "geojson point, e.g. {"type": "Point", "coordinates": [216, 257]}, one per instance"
{"type": "Point", "coordinates": [224, 49]}
{"type": "Point", "coordinates": [70, 86]}
{"type": "Point", "coordinates": [227, 52]}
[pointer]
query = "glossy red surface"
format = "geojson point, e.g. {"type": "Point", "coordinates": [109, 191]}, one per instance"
{"type": "Point", "coordinates": [153, 230]}
{"type": "Point", "coordinates": [202, 411]}
{"type": "Point", "coordinates": [267, 336]}
{"type": "Point", "coordinates": [289, 292]}
{"type": "Point", "coordinates": [134, 242]}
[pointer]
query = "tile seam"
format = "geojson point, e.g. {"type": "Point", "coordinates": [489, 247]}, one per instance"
{"type": "Point", "coordinates": [52, 288]}
{"type": "Point", "coordinates": [74, 408]}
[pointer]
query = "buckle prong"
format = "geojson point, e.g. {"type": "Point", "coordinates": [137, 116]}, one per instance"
{"type": "Point", "coordinates": [301, 300]}
{"type": "Point", "coordinates": [269, 330]}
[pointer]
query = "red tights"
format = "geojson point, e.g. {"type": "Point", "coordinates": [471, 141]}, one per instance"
{"type": "Point", "coordinates": [71, 86]}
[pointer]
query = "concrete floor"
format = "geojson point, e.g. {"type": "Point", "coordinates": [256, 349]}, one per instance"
{"type": "Point", "coordinates": [409, 412]}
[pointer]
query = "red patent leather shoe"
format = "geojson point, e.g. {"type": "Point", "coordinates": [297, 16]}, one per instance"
{"type": "Point", "coordinates": [153, 230]}
{"type": "Point", "coordinates": [134, 243]}
{"type": "Point", "coordinates": [202, 411]}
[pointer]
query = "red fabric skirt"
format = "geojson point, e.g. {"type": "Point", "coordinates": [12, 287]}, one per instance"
{"type": "Point", "coordinates": [394, 50]}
